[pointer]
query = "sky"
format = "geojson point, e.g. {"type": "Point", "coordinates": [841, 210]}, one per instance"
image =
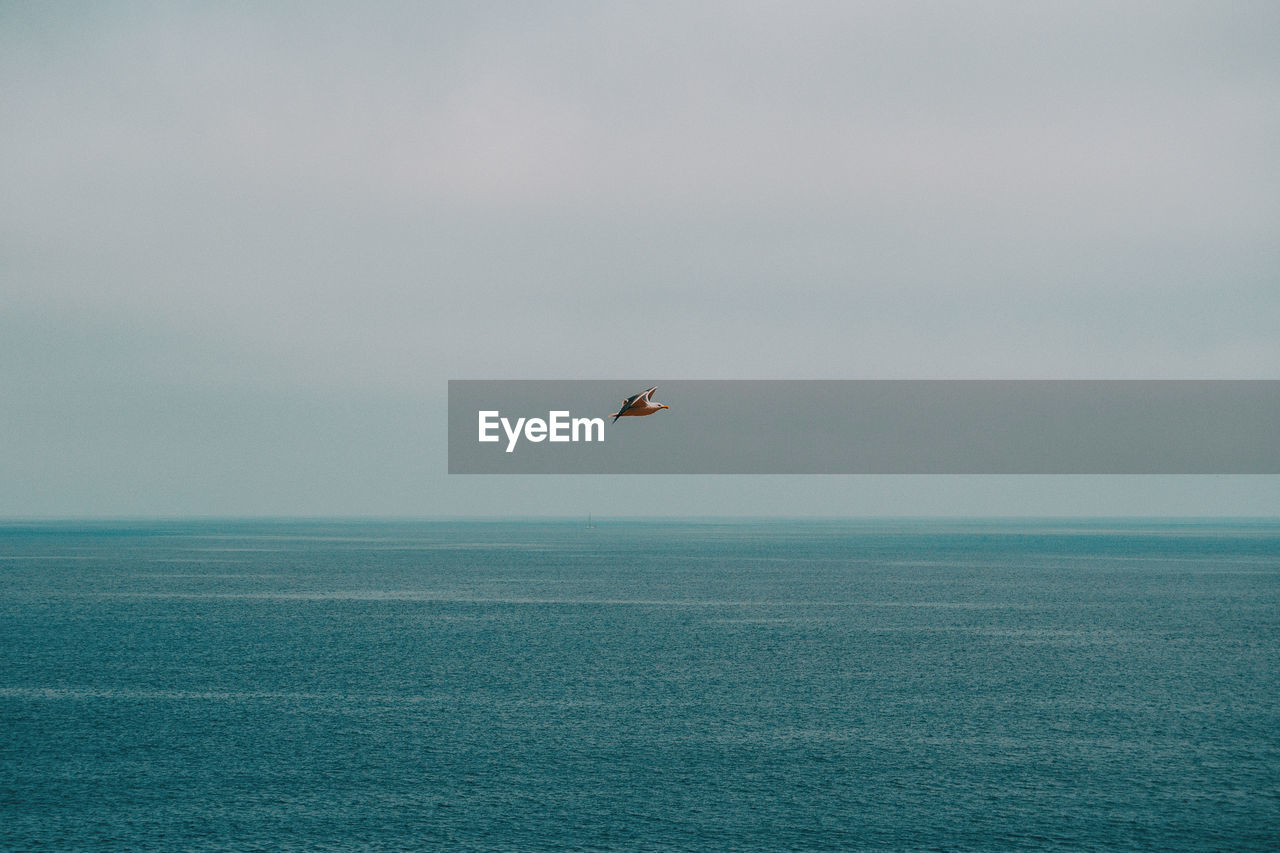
{"type": "Point", "coordinates": [243, 246]}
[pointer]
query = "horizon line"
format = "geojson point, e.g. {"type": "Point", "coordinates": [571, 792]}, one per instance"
{"type": "Point", "coordinates": [576, 517]}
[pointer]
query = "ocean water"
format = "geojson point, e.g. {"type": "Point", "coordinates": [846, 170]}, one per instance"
{"type": "Point", "coordinates": [640, 686]}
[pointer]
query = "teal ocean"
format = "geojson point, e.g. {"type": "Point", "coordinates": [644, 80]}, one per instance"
{"type": "Point", "coordinates": [526, 686]}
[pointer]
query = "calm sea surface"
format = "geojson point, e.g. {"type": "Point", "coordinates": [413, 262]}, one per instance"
{"type": "Point", "coordinates": [640, 686]}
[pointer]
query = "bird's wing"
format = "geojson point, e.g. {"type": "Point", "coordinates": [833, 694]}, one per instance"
{"type": "Point", "coordinates": [641, 399]}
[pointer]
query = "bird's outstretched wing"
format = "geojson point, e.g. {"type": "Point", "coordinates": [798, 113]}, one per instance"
{"type": "Point", "coordinates": [633, 401]}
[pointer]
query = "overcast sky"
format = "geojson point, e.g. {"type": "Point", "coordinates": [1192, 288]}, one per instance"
{"type": "Point", "coordinates": [244, 246]}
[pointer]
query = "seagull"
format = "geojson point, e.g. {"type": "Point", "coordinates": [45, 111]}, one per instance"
{"type": "Point", "coordinates": [638, 406]}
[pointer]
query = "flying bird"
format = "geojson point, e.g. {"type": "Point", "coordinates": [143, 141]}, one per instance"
{"type": "Point", "coordinates": [638, 406]}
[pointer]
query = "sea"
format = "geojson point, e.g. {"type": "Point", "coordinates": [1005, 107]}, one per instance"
{"type": "Point", "coordinates": [633, 685]}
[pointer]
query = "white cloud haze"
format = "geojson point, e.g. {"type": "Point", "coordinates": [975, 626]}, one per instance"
{"type": "Point", "coordinates": [245, 245]}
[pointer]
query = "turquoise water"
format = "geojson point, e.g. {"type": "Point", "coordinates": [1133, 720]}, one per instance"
{"type": "Point", "coordinates": [640, 686]}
